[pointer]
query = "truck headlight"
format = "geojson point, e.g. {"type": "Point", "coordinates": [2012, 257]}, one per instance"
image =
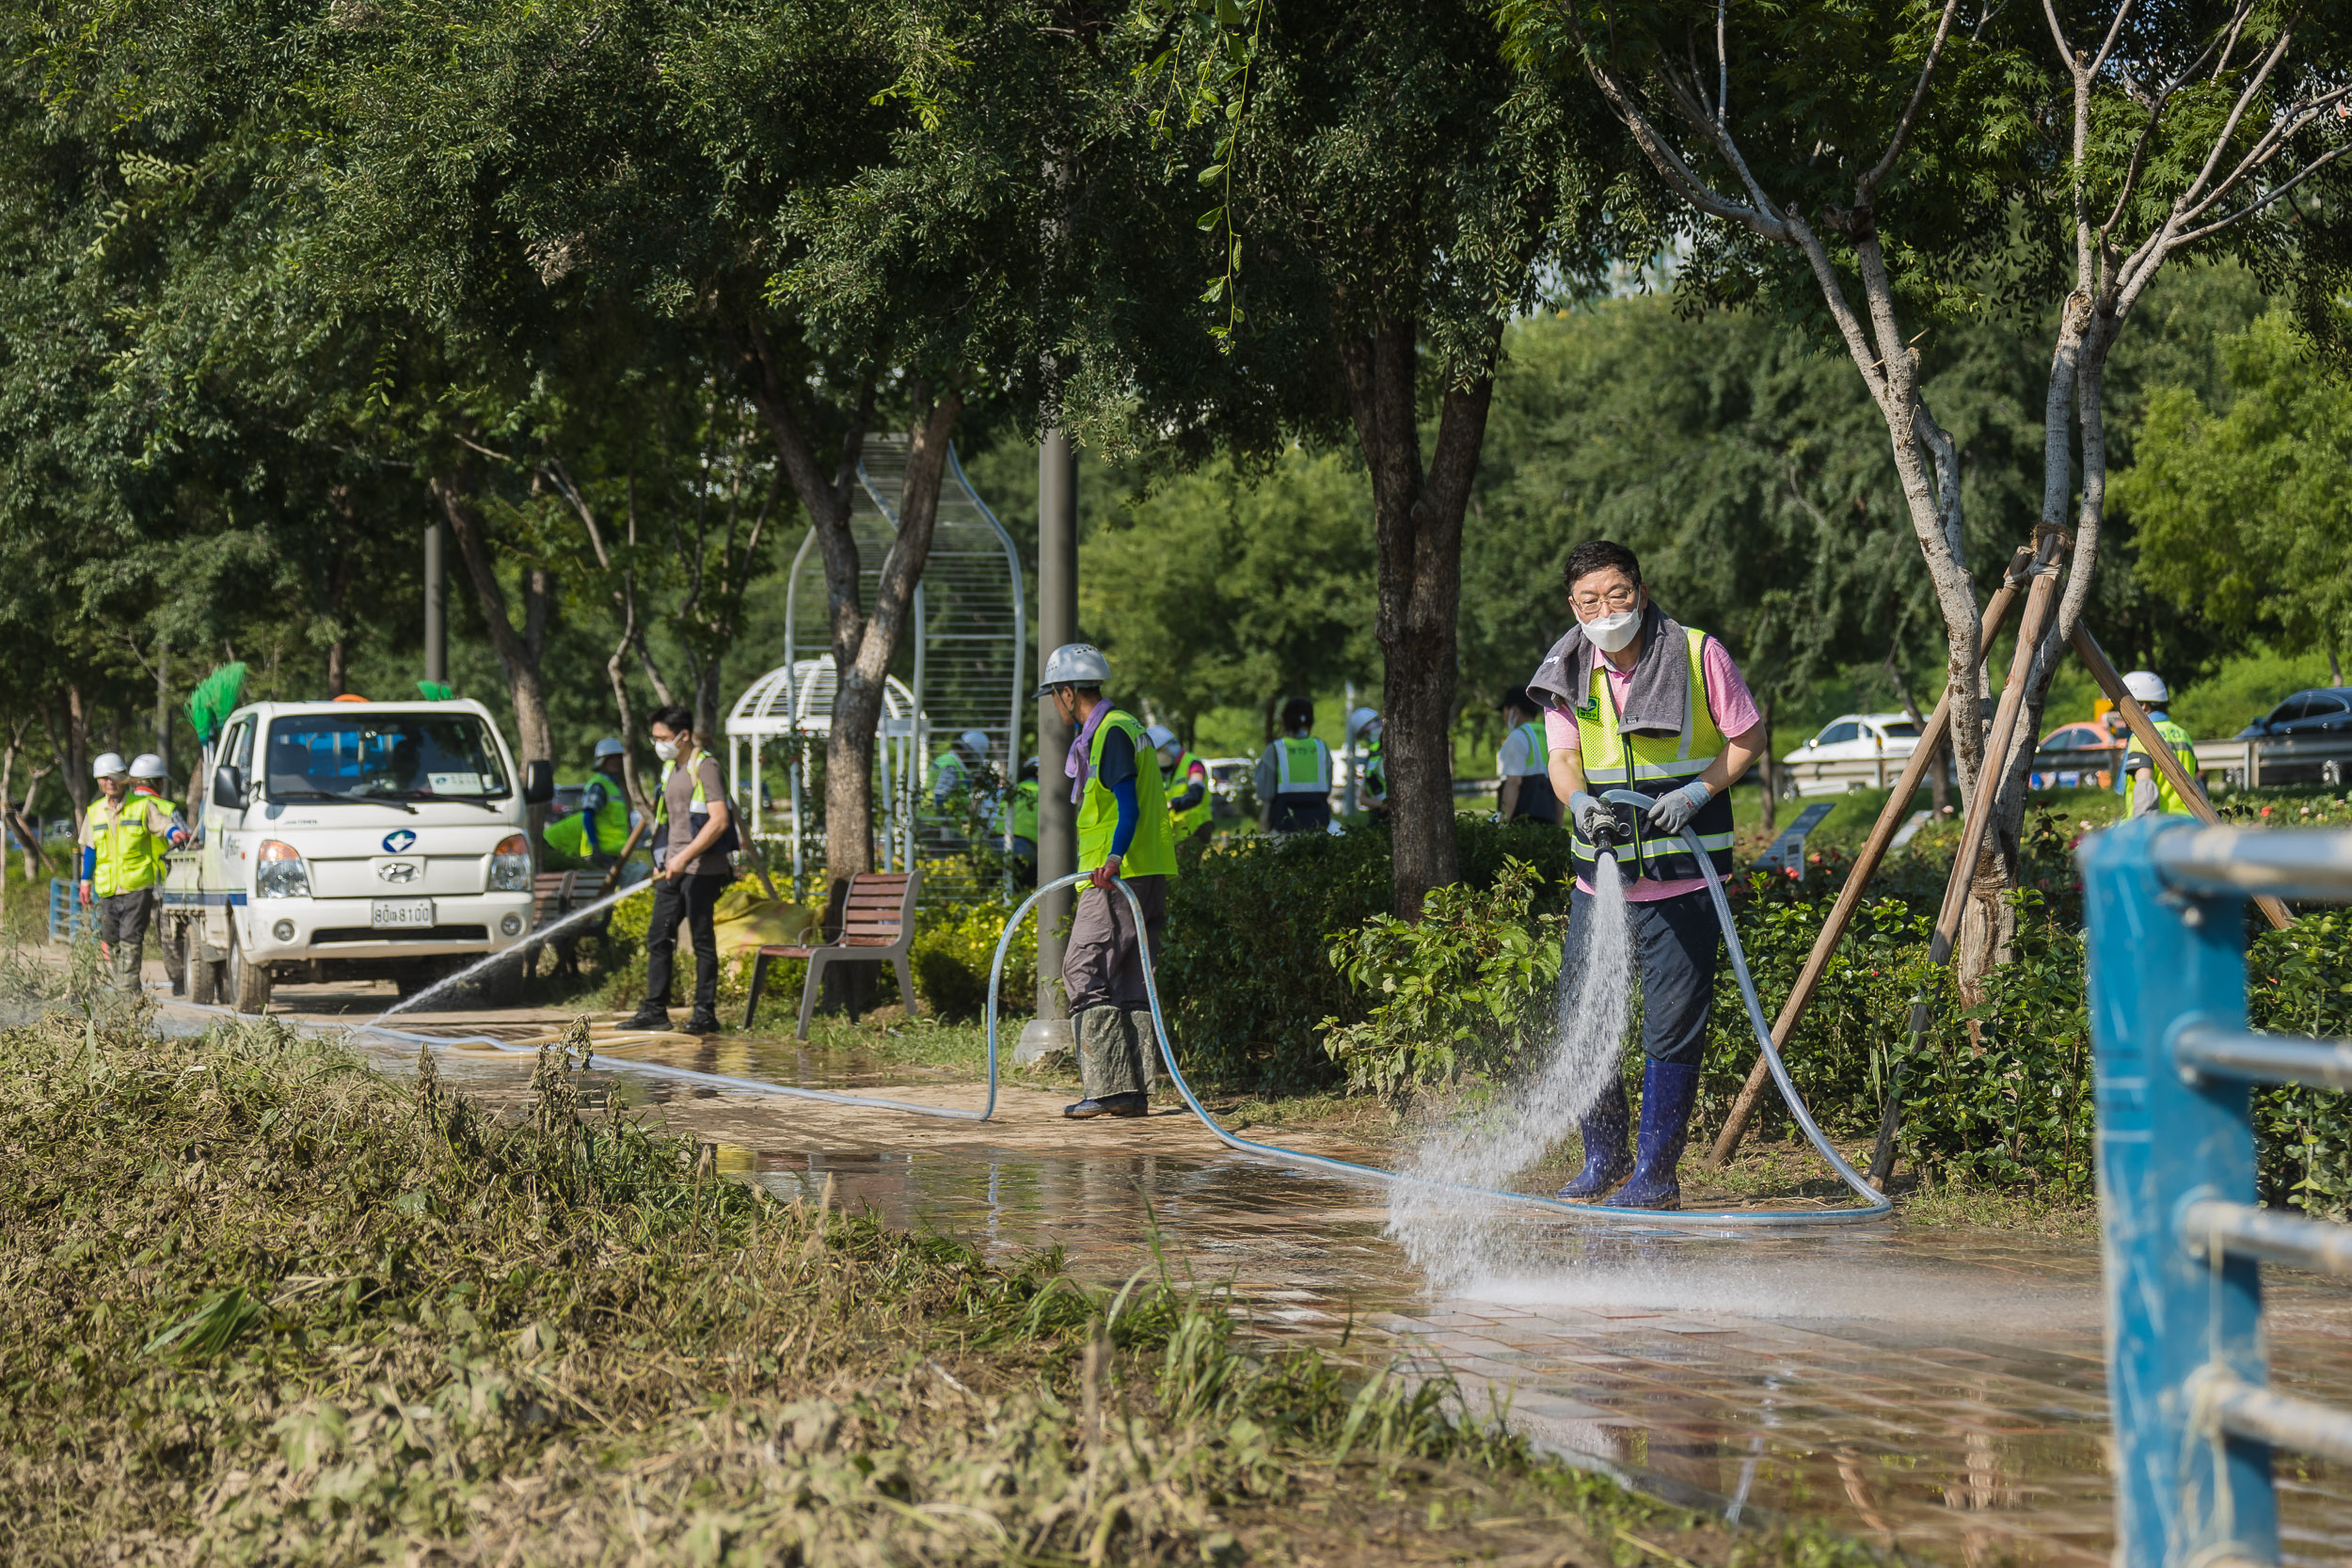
{"type": "Point", "coordinates": [510, 864]}
{"type": "Point", "coordinates": [279, 871]}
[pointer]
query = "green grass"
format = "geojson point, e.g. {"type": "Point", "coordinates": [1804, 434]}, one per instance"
{"type": "Point", "coordinates": [270, 1306]}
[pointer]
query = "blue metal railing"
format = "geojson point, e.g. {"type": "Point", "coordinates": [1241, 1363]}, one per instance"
{"type": "Point", "coordinates": [2185, 1236]}
{"type": "Point", "coordinates": [68, 920]}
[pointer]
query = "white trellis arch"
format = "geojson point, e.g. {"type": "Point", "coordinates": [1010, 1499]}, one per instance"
{"type": "Point", "coordinates": [961, 665]}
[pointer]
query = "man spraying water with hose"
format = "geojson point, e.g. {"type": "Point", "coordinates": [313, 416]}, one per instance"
{"type": "Point", "coordinates": [1633, 701]}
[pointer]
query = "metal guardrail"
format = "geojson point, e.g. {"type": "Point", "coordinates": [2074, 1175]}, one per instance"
{"type": "Point", "coordinates": [2185, 1238]}
{"type": "Point", "coordinates": [2269, 761]}
{"type": "Point", "coordinates": [68, 920]}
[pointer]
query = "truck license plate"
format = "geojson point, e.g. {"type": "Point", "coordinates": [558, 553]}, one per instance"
{"type": "Point", "coordinates": [400, 911]}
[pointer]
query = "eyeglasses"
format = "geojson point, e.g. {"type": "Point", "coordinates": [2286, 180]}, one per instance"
{"type": "Point", "coordinates": [1620, 597]}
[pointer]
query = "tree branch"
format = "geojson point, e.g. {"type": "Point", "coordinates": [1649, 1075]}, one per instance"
{"type": "Point", "coordinates": [1869, 182]}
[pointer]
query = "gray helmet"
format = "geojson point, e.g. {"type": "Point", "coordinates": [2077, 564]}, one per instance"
{"type": "Point", "coordinates": [1075, 664]}
{"type": "Point", "coordinates": [1161, 736]}
{"type": "Point", "coordinates": [147, 764]}
{"type": "Point", "coordinates": [974, 741]}
{"type": "Point", "coordinates": [609, 747]}
{"type": "Point", "coordinates": [2146, 686]}
{"type": "Point", "coordinates": [107, 764]}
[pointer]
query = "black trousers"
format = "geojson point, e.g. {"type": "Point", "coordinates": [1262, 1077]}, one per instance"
{"type": "Point", "coordinates": [1299, 814]}
{"type": "Point", "coordinates": [1677, 947]}
{"type": "Point", "coordinates": [689, 899]}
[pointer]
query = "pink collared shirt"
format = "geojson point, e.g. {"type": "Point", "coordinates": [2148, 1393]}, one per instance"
{"type": "Point", "coordinates": [1728, 703]}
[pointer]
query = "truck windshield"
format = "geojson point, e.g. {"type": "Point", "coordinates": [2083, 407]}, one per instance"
{"type": "Point", "coordinates": [382, 757]}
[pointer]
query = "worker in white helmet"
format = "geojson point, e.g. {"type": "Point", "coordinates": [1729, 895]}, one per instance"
{"type": "Point", "coordinates": [1191, 803]}
{"type": "Point", "coordinates": [958, 769]}
{"type": "Point", "coordinates": [1123, 835]}
{"type": "Point", "coordinates": [2146, 789]}
{"type": "Point", "coordinates": [152, 779]}
{"type": "Point", "coordinates": [124, 838]}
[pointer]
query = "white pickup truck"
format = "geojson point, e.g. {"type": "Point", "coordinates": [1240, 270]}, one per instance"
{"type": "Point", "coordinates": [350, 841]}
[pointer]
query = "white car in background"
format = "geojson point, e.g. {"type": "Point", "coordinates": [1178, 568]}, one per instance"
{"type": "Point", "coordinates": [1854, 750]}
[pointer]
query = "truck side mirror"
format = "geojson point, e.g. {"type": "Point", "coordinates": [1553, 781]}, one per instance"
{"type": "Point", "coordinates": [229, 787]}
{"type": "Point", "coordinates": [538, 782]}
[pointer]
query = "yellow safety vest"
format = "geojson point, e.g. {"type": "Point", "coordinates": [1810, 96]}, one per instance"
{"type": "Point", "coordinates": [131, 844]}
{"type": "Point", "coordinates": [569, 835]}
{"type": "Point", "coordinates": [2168, 798]}
{"type": "Point", "coordinates": [1153, 851]}
{"type": "Point", "coordinates": [1302, 766]}
{"type": "Point", "coordinates": [1193, 818]}
{"type": "Point", "coordinates": [1654, 765]}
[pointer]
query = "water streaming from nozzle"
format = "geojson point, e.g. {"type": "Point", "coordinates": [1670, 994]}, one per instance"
{"type": "Point", "coordinates": [1454, 1238]}
{"type": "Point", "coordinates": [503, 955]}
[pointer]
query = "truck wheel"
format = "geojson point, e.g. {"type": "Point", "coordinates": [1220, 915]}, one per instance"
{"type": "Point", "coordinates": [245, 985]}
{"type": "Point", "coordinates": [175, 945]}
{"type": "Point", "coordinates": [204, 988]}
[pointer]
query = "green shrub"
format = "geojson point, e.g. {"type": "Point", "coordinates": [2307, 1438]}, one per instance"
{"type": "Point", "coordinates": [1245, 971]}
{"type": "Point", "coordinates": [1465, 990]}
{"type": "Point", "coordinates": [951, 953]}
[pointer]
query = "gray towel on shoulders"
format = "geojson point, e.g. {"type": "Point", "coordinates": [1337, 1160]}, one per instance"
{"type": "Point", "coordinates": [1658, 699]}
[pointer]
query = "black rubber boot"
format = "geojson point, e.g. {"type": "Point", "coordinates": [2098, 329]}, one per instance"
{"type": "Point", "coordinates": [648, 1016]}
{"type": "Point", "coordinates": [704, 1021]}
{"type": "Point", "coordinates": [1109, 1105]}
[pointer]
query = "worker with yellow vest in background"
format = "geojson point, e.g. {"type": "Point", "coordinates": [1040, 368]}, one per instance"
{"type": "Point", "coordinates": [1293, 775]}
{"type": "Point", "coordinates": [124, 838]}
{"type": "Point", "coordinates": [599, 831]}
{"type": "Point", "coordinates": [2149, 791]}
{"type": "Point", "coordinates": [1123, 835]}
{"type": "Point", "coordinates": [1634, 702]}
{"type": "Point", "coordinates": [1521, 764]}
{"type": "Point", "coordinates": [1191, 802]}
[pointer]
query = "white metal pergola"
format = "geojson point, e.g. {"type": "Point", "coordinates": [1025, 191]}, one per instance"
{"type": "Point", "coordinates": [968, 639]}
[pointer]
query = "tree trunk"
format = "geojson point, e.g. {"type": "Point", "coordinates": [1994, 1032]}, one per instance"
{"type": "Point", "coordinates": [71, 746]}
{"type": "Point", "coordinates": [863, 642]}
{"type": "Point", "coordinates": [1417, 526]}
{"type": "Point", "coordinates": [520, 651]}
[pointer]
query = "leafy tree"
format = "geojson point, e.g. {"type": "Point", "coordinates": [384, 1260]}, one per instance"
{"type": "Point", "coordinates": [1875, 170]}
{"type": "Point", "coordinates": [1220, 590]}
{"type": "Point", "coordinates": [1399, 194]}
{"type": "Point", "coordinates": [2245, 512]}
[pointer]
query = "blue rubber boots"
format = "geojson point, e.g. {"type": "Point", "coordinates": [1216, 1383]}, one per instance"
{"type": "Point", "coordinates": [1669, 1089]}
{"type": "Point", "coordinates": [1668, 1092]}
{"type": "Point", "coordinates": [1606, 1161]}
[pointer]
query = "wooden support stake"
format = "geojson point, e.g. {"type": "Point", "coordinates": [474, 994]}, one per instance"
{"type": "Point", "coordinates": [2160, 750]}
{"type": "Point", "coordinates": [1980, 806]}
{"type": "Point", "coordinates": [1866, 866]}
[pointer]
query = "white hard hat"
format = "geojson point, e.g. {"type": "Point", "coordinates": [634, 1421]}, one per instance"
{"type": "Point", "coordinates": [609, 747]}
{"type": "Point", "coordinates": [1075, 664]}
{"type": "Point", "coordinates": [1361, 718]}
{"type": "Point", "coordinates": [974, 741]}
{"type": "Point", "coordinates": [1161, 736]}
{"type": "Point", "coordinates": [147, 764]}
{"type": "Point", "coordinates": [107, 765]}
{"type": "Point", "coordinates": [2146, 686]}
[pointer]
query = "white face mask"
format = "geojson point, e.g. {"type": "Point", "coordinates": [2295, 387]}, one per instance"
{"type": "Point", "coordinates": [665, 749]}
{"type": "Point", "coordinates": [1611, 633]}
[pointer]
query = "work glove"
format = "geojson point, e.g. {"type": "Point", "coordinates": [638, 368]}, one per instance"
{"type": "Point", "coordinates": [1670, 813]}
{"type": "Point", "coordinates": [1588, 815]}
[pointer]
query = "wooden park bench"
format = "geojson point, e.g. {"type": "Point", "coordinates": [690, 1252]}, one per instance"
{"type": "Point", "coordinates": [877, 927]}
{"type": "Point", "coordinates": [551, 894]}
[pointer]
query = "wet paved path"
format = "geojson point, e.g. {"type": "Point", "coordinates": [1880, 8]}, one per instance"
{"type": "Point", "coordinates": [1932, 1390]}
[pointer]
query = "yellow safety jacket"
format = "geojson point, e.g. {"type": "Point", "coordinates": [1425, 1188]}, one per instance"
{"type": "Point", "coordinates": [1193, 818]}
{"type": "Point", "coordinates": [568, 836]}
{"type": "Point", "coordinates": [1025, 810]}
{"type": "Point", "coordinates": [1656, 765]}
{"type": "Point", "coordinates": [1302, 766]}
{"type": "Point", "coordinates": [1153, 851]}
{"type": "Point", "coordinates": [2168, 798]}
{"type": "Point", "coordinates": [130, 840]}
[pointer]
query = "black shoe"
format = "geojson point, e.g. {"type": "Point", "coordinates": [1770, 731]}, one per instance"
{"type": "Point", "coordinates": [1110, 1105]}
{"type": "Point", "coordinates": [646, 1017]}
{"type": "Point", "coordinates": [704, 1023]}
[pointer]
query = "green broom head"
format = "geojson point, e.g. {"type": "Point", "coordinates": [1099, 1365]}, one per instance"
{"type": "Point", "coordinates": [436, 691]}
{"type": "Point", "coordinates": [214, 698]}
